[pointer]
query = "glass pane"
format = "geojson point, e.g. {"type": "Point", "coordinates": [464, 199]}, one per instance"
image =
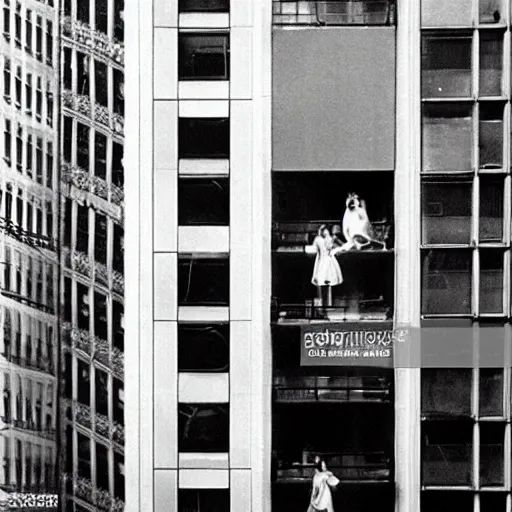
{"type": "Point", "coordinates": [438, 13]}
{"type": "Point", "coordinates": [203, 281]}
{"type": "Point", "coordinates": [446, 67]}
{"type": "Point", "coordinates": [491, 63]}
{"type": "Point", "coordinates": [203, 428]}
{"type": "Point", "coordinates": [492, 453]}
{"type": "Point", "coordinates": [203, 56]}
{"type": "Point", "coordinates": [493, 502]}
{"type": "Point", "coordinates": [447, 137]}
{"type": "Point", "coordinates": [203, 500]}
{"type": "Point", "coordinates": [446, 391]}
{"type": "Point", "coordinates": [446, 211]}
{"type": "Point", "coordinates": [491, 392]}
{"type": "Point", "coordinates": [446, 501]}
{"type": "Point", "coordinates": [203, 347]}
{"type": "Point", "coordinates": [491, 281]}
{"type": "Point", "coordinates": [203, 138]}
{"type": "Point", "coordinates": [447, 453]}
{"type": "Point", "coordinates": [203, 5]}
{"type": "Point", "coordinates": [491, 209]}
{"type": "Point", "coordinates": [203, 202]}
{"type": "Point", "coordinates": [491, 136]}
{"type": "Point", "coordinates": [491, 11]}
{"type": "Point", "coordinates": [446, 282]}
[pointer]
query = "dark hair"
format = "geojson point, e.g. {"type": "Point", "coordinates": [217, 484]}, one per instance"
{"type": "Point", "coordinates": [319, 464]}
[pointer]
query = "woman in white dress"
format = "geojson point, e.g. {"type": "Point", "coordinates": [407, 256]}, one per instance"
{"type": "Point", "coordinates": [321, 496]}
{"type": "Point", "coordinates": [326, 272]}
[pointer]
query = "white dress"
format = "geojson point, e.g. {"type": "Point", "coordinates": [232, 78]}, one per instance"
{"type": "Point", "coordinates": [321, 497]}
{"type": "Point", "coordinates": [326, 271]}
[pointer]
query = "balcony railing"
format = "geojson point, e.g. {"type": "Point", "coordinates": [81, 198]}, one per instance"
{"type": "Point", "coordinates": [29, 426]}
{"type": "Point", "coordinates": [34, 240]}
{"type": "Point", "coordinates": [83, 180]}
{"type": "Point", "coordinates": [42, 364]}
{"type": "Point", "coordinates": [118, 282]}
{"type": "Point", "coordinates": [99, 423]}
{"type": "Point", "coordinates": [356, 467]}
{"type": "Point", "coordinates": [84, 489]}
{"type": "Point", "coordinates": [298, 236]}
{"type": "Point", "coordinates": [340, 12]}
{"type": "Point", "coordinates": [27, 301]}
{"type": "Point", "coordinates": [97, 113]}
{"type": "Point", "coordinates": [94, 41]}
{"type": "Point", "coordinates": [80, 339]}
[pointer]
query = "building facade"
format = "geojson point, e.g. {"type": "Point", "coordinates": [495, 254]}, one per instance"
{"type": "Point", "coordinates": [29, 254]}
{"type": "Point", "coordinates": [92, 232]}
{"type": "Point", "coordinates": [308, 173]}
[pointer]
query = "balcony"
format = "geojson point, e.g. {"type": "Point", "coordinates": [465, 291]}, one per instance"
{"type": "Point", "coordinates": [84, 489]}
{"type": "Point", "coordinates": [34, 240]}
{"type": "Point", "coordinates": [30, 426]}
{"type": "Point", "coordinates": [81, 179]}
{"type": "Point", "coordinates": [41, 364]}
{"type": "Point", "coordinates": [98, 423]}
{"type": "Point", "coordinates": [118, 282]}
{"type": "Point", "coordinates": [95, 42]}
{"type": "Point", "coordinates": [77, 261]}
{"type": "Point", "coordinates": [79, 338]}
{"type": "Point", "coordinates": [26, 301]}
{"type": "Point", "coordinates": [97, 113]}
{"type": "Point", "coordinates": [334, 13]}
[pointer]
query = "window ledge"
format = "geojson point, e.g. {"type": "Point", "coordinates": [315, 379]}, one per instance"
{"type": "Point", "coordinates": [203, 90]}
{"type": "Point", "coordinates": [204, 460]}
{"type": "Point", "coordinates": [197, 20]}
{"type": "Point", "coordinates": [203, 313]}
{"type": "Point", "coordinates": [197, 167]}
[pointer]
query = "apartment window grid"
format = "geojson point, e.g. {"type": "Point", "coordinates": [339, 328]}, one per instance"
{"type": "Point", "coordinates": [29, 29]}
{"type": "Point", "coordinates": [466, 184]}
{"type": "Point", "coordinates": [28, 340]}
{"type": "Point", "coordinates": [93, 88]}
{"type": "Point", "coordinates": [31, 151]}
{"type": "Point", "coordinates": [28, 465]}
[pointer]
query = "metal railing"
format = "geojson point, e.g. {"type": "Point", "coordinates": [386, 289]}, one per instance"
{"type": "Point", "coordinates": [21, 235]}
{"type": "Point", "coordinates": [340, 12]}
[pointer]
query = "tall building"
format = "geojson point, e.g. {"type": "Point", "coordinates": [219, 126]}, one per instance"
{"type": "Point", "coordinates": [92, 129]}
{"type": "Point", "coordinates": [29, 196]}
{"type": "Point", "coordinates": [62, 251]}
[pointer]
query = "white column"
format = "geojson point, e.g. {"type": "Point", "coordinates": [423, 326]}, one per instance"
{"type": "Point", "coordinates": [408, 278]}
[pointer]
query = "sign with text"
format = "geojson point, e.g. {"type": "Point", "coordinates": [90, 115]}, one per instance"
{"type": "Point", "coordinates": [349, 344]}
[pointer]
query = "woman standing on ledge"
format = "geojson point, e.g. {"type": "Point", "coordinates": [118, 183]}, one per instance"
{"type": "Point", "coordinates": [321, 497]}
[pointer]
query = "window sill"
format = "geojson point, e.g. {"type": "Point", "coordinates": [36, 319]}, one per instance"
{"type": "Point", "coordinates": [203, 460]}
{"type": "Point", "coordinates": [208, 167]}
{"type": "Point", "coordinates": [199, 20]}
{"type": "Point", "coordinates": [203, 313]}
{"type": "Point", "coordinates": [203, 90]}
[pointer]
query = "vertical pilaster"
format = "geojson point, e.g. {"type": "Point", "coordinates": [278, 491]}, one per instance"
{"type": "Point", "coordinates": [408, 275]}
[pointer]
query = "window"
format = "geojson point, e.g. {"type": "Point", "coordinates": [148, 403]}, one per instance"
{"type": "Point", "coordinates": [100, 315]}
{"type": "Point", "coordinates": [491, 136]}
{"type": "Point", "coordinates": [119, 20]}
{"type": "Point", "coordinates": [28, 31]}
{"type": "Point", "coordinates": [118, 325]}
{"type": "Point", "coordinates": [39, 99]}
{"type": "Point", "coordinates": [447, 452]}
{"type": "Point", "coordinates": [118, 250]}
{"type": "Point", "coordinates": [19, 149]}
{"type": "Point", "coordinates": [39, 38]}
{"type": "Point", "coordinates": [203, 500]}
{"type": "Point", "coordinates": [84, 456]}
{"type": "Point", "coordinates": [117, 165]}
{"type": "Point", "coordinates": [119, 481]}
{"type": "Point", "coordinates": [491, 392]}
{"type": "Point", "coordinates": [17, 25]}
{"type": "Point", "coordinates": [491, 63]}
{"type": "Point", "coordinates": [492, 502]}
{"type": "Point", "coordinates": [82, 233]}
{"type": "Point", "coordinates": [490, 11]}
{"type": "Point", "coordinates": [101, 83]}
{"type": "Point", "coordinates": [118, 393]}
{"type": "Point", "coordinates": [446, 282]}
{"type": "Point", "coordinates": [82, 294]}
{"type": "Point", "coordinates": [203, 282]}
{"type": "Point", "coordinates": [82, 11]}
{"type": "Point", "coordinates": [447, 137]}
{"type": "Point", "coordinates": [82, 146]}
{"type": "Point", "coordinates": [18, 87]}
{"type": "Point", "coordinates": [49, 43]}
{"type": "Point", "coordinates": [203, 428]}
{"type": "Point", "coordinates": [68, 222]}
{"type": "Point", "coordinates": [446, 210]}
{"type": "Point", "coordinates": [68, 287]}
{"type": "Point", "coordinates": [101, 21]}
{"type": "Point", "coordinates": [49, 219]}
{"type": "Point", "coordinates": [203, 56]}
{"type": "Point", "coordinates": [102, 465]}
{"type": "Point", "coordinates": [39, 160]}
{"type": "Point", "coordinates": [49, 104]}
{"type": "Point", "coordinates": [7, 141]}
{"type": "Point", "coordinates": [100, 239]}
{"type": "Point", "coordinates": [446, 392]}
{"type": "Point", "coordinates": [83, 383]}
{"type": "Point", "coordinates": [491, 282]}
{"type": "Point", "coordinates": [203, 138]}
{"type": "Point", "coordinates": [82, 74]}
{"type": "Point", "coordinates": [203, 348]}
{"type": "Point", "coordinates": [118, 92]}
{"type": "Point", "coordinates": [454, 13]}
{"type": "Point", "coordinates": [100, 155]}
{"type": "Point", "coordinates": [67, 72]}
{"type": "Point", "coordinates": [492, 451]}
{"type": "Point", "coordinates": [7, 80]}
{"type": "Point", "coordinates": [101, 388]}
{"type": "Point", "coordinates": [28, 94]}
{"type": "Point", "coordinates": [446, 66]}
{"type": "Point", "coordinates": [7, 20]}
{"type": "Point", "coordinates": [203, 202]}
{"type": "Point", "coordinates": [68, 138]}
{"type": "Point", "coordinates": [203, 5]}
{"type": "Point", "coordinates": [49, 165]}
{"type": "Point", "coordinates": [29, 161]}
